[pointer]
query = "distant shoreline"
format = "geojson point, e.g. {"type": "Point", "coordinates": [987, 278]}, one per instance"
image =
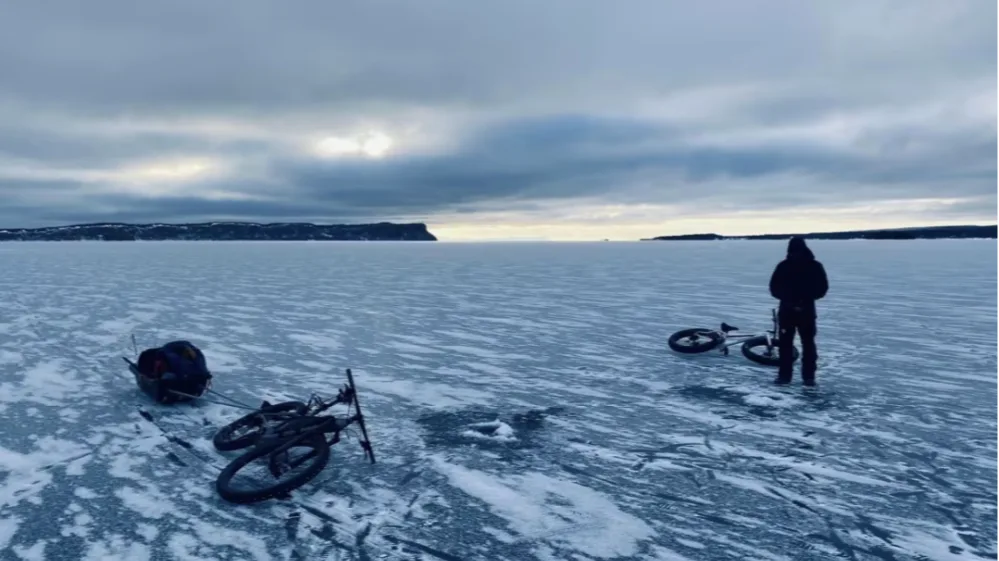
{"type": "Point", "coordinates": [223, 231]}
{"type": "Point", "coordinates": [917, 233]}
{"type": "Point", "coordinates": [388, 231]}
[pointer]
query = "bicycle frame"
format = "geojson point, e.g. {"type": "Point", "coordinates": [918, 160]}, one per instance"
{"type": "Point", "coordinates": [288, 438]}
{"type": "Point", "coordinates": [729, 340]}
{"type": "Point", "coordinates": [314, 406]}
{"type": "Point", "coordinates": [304, 425]}
{"type": "Point", "coordinates": [295, 430]}
{"type": "Point", "coordinates": [283, 416]}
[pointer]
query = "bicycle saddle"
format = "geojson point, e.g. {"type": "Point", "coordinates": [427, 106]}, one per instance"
{"type": "Point", "coordinates": [726, 327]}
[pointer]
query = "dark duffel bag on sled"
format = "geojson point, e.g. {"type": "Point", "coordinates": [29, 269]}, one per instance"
{"type": "Point", "coordinates": [175, 372]}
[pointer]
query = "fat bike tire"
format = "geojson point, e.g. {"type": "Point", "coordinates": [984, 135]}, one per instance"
{"type": "Point", "coordinates": [316, 464]}
{"type": "Point", "coordinates": [225, 440]}
{"type": "Point", "coordinates": [704, 340]}
{"type": "Point", "coordinates": [755, 350]}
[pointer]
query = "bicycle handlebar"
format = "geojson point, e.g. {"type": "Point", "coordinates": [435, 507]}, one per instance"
{"type": "Point", "coordinates": [341, 397]}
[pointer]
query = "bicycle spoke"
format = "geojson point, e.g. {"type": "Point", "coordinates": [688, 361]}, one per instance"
{"type": "Point", "coordinates": [273, 469]}
{"type": "Point", "coordinates": [292, 458]}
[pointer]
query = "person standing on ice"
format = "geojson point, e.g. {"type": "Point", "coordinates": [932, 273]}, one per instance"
{"type": "Point", "coordinates": [798, 281]}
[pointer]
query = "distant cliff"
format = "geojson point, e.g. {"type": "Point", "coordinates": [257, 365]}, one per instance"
{"type": "Point", "coordinates": [921, 233]}
{"type": "Point", "coordinates": [210, 231]}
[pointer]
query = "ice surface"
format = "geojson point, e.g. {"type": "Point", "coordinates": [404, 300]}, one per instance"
{"type": "Point", "coordinates": [521, 399]}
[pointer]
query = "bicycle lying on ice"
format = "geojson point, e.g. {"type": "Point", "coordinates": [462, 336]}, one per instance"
{"type": "Point", "coordinates": [283, 437]}
{"type": "Point", "coordinates": [761, 348]}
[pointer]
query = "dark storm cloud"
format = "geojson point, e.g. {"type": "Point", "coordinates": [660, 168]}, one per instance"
{"type": "Point", "coordinates": [694, 103]}
{"type": "Point", "coordinates": [186, 53]}
{"type": "Point", "coordinates": [568, 156]}
{"type": "Point", "coordinates": [70, 149]}
{"type": "Point", "coordinates": [62, 141]}
{"type": "Point", "coordinates": [175, 209]}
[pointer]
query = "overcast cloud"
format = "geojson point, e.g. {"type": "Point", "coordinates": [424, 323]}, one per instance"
{"type": "Point", "coordinates": [613, 114]}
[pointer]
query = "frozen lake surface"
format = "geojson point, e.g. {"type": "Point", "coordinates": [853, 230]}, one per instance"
{"type": "Point", "coordinates": [521, 398]}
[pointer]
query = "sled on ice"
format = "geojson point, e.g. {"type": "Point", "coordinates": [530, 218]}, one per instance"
{"type": "Point", "coordinates": [175, 372]}
{"type": "Point", "coordinates": [291, 439]}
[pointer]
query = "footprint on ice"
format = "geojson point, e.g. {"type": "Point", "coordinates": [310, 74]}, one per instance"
{"type": "Point", "coordinates": [754, 402]}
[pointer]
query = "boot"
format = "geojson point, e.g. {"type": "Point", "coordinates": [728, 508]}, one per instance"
{"type": "Point", "coordinates": [808, 377]}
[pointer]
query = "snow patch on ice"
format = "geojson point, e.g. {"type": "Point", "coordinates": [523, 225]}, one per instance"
{"type": "Point", "coordinates": [426, 393]}
{"type": "Point", "coordinates": [116, 548]}
{"type": "Point", "coordinates": [10, 357]}
{"type": "Point", "coordinates": [540, 507]}
{"type": "Point", "coordinates": [317, 340]}
{"type": "Point", "coordinates": [492, 430]}
{"type": "Point", "coordinates": [84, 493]}
{"type": "Point", "coordinates": [485, 353]}
{"type": "Point", "coordinates": [147, 531]}
{"type": "Point", "coordinates": [8, 527]}
{"type": "Point", "coordinates": [34, 552]}
{"type": "Point", "coordinates": [49, 382]}
{"type": "Point", "coordinates": [412, 348]}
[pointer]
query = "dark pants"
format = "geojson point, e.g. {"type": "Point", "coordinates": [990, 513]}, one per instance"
{"type": "Point", "coordinates": [801, 322]}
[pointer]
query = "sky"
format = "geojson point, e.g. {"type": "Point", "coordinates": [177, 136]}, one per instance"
{"type": "Point", "coordinates": [554, 119]}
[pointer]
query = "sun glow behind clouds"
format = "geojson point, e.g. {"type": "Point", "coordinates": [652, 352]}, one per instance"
{"type": "Point", "coordinates": [371, 145]}
{"type": "Point", "coordinates": [166, 177]}
{"type": "Point", "coordinates": [150, 171]}
{"type": "Point", "coordinates": [168, 170]}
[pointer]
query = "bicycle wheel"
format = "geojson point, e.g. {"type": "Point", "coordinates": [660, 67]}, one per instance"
{"type": "Point", "coordinates": [695, 340]}
{"type": "Point", "coordinates": [262, 472]}
{"type": "Point", "coordinates": [245, 431]}
{"type": "Point", "coordinates": [755, 349]}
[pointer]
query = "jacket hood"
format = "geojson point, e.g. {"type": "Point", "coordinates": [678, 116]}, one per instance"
{"type": "Point", "coordinates": [797, 249]}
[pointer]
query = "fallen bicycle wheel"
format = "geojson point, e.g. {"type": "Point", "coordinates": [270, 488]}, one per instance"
{"type": "Point", "coordinates": [695, 340]}
{"type": "Point", "coordinates": [756, 350]}
{"type": "Point", "coordinates": [244, 431]}
{"type": "Point", "coordinates": [272, 470]}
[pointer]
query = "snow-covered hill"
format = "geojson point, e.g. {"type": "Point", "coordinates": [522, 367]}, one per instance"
{"type": "Point", "coordinates": [208, 231]}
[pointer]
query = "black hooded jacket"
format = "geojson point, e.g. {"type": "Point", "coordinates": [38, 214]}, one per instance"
{"type": "Point", "coordinates": [800, 279]}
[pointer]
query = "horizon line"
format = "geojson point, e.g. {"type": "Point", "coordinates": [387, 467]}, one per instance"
{"type": "Point", "coordinates": [427, 225]}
